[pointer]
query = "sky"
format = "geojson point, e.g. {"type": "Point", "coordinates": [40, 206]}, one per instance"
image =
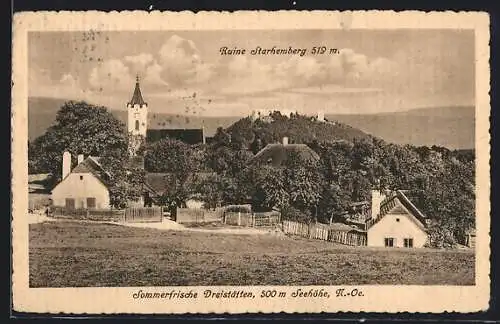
{"type": "Point", "coordinates": [183, 72]}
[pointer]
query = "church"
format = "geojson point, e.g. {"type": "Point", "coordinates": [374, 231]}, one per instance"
{"type": "Point", "coordinates": [140, 130]}
{"type": "Point", "coordinates": [87, 184]}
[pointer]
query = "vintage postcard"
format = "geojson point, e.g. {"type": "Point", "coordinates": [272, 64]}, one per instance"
{"type": "Point", "coordinates": [297, 162]}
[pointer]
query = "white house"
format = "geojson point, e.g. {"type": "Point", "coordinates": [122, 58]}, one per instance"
{"type": "Point", "coordinates": [395, 222]}
{"type": "Point", "coordinates": [83, 187]}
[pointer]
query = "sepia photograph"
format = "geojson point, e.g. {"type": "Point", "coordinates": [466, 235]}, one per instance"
{"type": "Point", "coordinates": [300, 157]}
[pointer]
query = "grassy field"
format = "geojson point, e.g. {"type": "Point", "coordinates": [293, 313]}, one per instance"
{"type": "Point", "coordinates": [72, 254]}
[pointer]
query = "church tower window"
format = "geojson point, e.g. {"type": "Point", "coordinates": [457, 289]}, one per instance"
{"type": "Point", "coordinates": [136, 125]}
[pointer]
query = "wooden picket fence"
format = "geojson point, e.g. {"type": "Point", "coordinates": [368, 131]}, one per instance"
{"type": "Point", "coordinates": [143, 215]}
{"type": "Point", "coordinates": [198, 215]}
{"type": "Point", "coordinates": [324, 232]}
{"type": "Point", "coordinates": [128, 215]}
{"type": "Point", "coordinates": [238, 219]}
{"type": "Point", "coordinates": [103, 215]}
{"type": "Point", "coordinates": [266, 219]}
{"type": "Point", "coordinates": [252, 219]}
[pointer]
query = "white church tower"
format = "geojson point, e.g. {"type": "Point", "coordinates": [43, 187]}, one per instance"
{"type": "Point", "coordinates": [137, 124]}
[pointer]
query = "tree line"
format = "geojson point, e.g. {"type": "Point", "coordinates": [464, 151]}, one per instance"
{"type": "Point", "coordinates": [351, 163]}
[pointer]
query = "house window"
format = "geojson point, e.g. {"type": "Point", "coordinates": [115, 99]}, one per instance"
{"type": "Point", "coordinates": [70, 203]}
{"type": "Point", "coordinates": [91, 202]}
{"type": "Point", "coordinates": [81, 177]}
{"type": "Point", "coordinates": [136, 125]}
{"type": "Point", "coordinates": [397, 219]}
{"type": "Point", "coordinates": [389, 241]}
{"type": "Point", "coordinates": [408, 242]}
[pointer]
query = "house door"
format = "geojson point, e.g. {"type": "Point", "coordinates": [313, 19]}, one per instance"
{"type": "Point", "coordinates": [91, 203]}
{"type": "Point", "coordinates": [70, 203]}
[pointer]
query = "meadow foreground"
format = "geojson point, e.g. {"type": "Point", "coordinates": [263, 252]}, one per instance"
{"type": "Point", "coordinates": [73, 254]}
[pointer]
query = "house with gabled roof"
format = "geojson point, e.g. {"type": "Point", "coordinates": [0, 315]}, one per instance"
{"type": "Point", "coordinates": [394, 221]}
{"type": "Point", "coordinates": [84, 186]}
{"type": "Point", "coordinates": [276, 154]}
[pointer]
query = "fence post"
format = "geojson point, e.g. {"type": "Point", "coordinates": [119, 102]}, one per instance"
{"type": "Point", "coordinates": [239, 218]}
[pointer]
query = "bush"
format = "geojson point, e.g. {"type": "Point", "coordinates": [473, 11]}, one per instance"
{"type": "Point", "coordinates": [296, 215]}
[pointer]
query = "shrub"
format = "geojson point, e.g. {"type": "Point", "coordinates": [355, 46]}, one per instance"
{"type": "Point", "coordinates": [293, 214]}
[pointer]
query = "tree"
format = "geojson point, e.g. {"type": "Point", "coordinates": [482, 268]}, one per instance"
{"type": "Point", "coordinates": [334, 201]}
{"type": "Point", "coordinates": [79, 128]}
{"type": "Point", "coordinates": [169, 156]}
{"type": "Point", "coordinates": [294, 184]}
{"type": "Point", "coordinates": [302, 180]}
{"type": "Point", "coordinates": [211, 190]}
{"type": "Point", "coordinates": [270, 188]}
{"type": "Point", "coordinates": [82, 128]}
{"type": "Point", "coordinates": [178, 160]}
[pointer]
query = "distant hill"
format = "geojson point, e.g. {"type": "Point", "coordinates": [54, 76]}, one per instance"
{"type": "Point", "coordinates": [42, 114]}
{"type": "Point", "coordinates": [451, 127]}
{"type": "Point", "coordinates": [299, 130]}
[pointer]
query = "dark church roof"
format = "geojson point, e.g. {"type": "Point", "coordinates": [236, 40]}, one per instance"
{"type": "Point", "coordinates": [188, 136]}
{"type": "Point", "coordinates": [277, 154]}
{"type": "Point", "coordinates": [137, 97]}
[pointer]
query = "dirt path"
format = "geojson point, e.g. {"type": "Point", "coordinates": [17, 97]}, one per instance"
{"type": "Point", "coordinates": [35, 218]}
{"type": "Point", "coordinates": [166, 225]}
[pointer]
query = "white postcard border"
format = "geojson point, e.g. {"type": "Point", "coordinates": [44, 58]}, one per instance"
{"type": "Point", "coordinates": [432, 299]}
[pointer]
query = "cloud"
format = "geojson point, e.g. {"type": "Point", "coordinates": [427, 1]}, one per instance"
{"type": "Point", "coordinates": [300, 71]}
{"type": "Point", "coordinates": [69, 81]}
{"type": "Point", "coordinates": [140, 61]}
{"type": "Point", "coordinates": [240, 75]}
{"type": "Point", "coordinates": [355, 72]}
{"type": "Point", "coordinates": [181, 62]}
{"type": "Point", "coordinates": [42, 85]}
{"type": "Point", "coordinates": [111, 75]}
{"type": "Point", "coordinates": [153, 77]}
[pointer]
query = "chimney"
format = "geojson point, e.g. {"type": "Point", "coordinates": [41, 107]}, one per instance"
{"type": "Point", "coordinates": [80, 158]}
{"type": "Point", "coordinates": [377, 198]}
{"type": "Point", "coordinates": [66, 164]}
{"type": "Point", "coordinates": [285, 141]}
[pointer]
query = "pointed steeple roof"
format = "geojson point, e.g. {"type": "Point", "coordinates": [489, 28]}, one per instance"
{"type": "Point", "coordinates": [137, 97]}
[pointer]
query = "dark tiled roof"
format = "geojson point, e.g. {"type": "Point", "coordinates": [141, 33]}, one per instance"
{"type": "Point", "coordinates": [188, 136]}
{"type": "Point", "coordinates": [390, 204]}
{"type": "Point", "coordinates": [137, 97]}
{"type": "Point", "coordinates": [277, 154]}
{"type": "Point", "coordinates": [91, 165]}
